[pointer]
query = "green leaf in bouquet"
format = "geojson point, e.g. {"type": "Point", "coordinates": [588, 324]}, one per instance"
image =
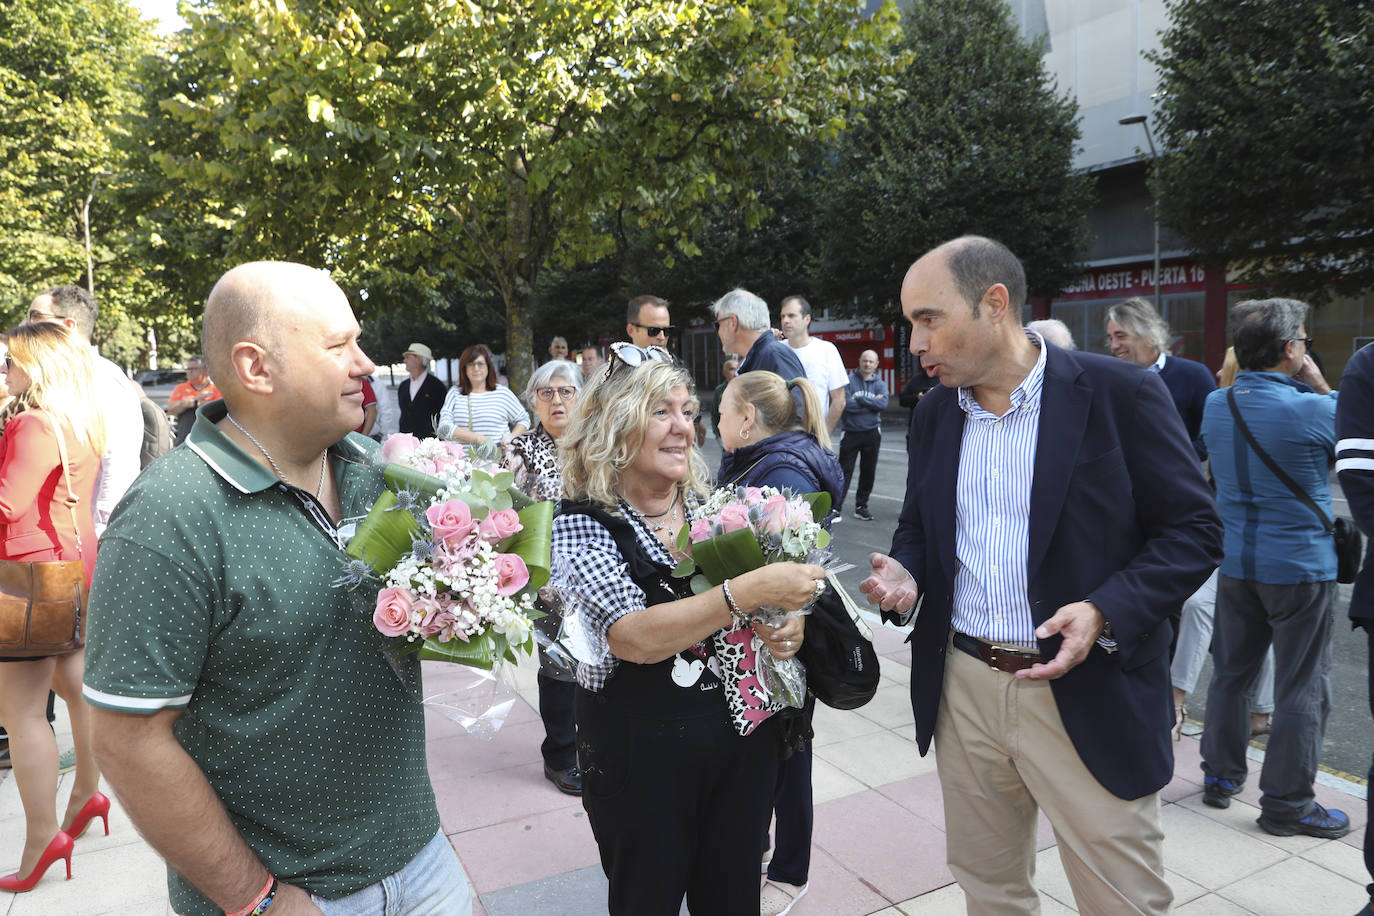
{"type": "Point", "coordinates": [700, 584]}
{"type": "Point", "coordinates": [384, 536]}
{"type": "Point", "coordinates": [532, 542]}
{"type": "Point", "coordinates": [400, 477]}
{"type": "Point", "coordinates": [518, 499]}
{"type": "Point", "coordinates": [823, 539]}
{"type": "Point", "coordinates": [685, 568]}
{"type": "Point", "coordinates": [820, 504]}
{"type": "Point", "coordinates": [478, 652]}
{"type": "Point", "coordinates": [726, 555]}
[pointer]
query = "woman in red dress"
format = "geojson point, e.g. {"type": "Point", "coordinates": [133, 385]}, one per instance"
{"type": "Point", "coordinates": [50, 378]}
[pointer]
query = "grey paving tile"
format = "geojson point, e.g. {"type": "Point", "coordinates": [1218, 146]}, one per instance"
{"type": "Point", "coordinates": [1296, 885]}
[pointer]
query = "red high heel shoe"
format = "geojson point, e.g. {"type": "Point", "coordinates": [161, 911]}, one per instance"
{"type": "Point", "coordinates": [59, 848]}
{"type": "Point", "coordinates": [98, 805]}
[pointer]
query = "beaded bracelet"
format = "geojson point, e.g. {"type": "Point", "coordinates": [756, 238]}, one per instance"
{"type": "Point", "coordinates": [735, 612]}
{"type": "Point", "coordinates": [259, 904]}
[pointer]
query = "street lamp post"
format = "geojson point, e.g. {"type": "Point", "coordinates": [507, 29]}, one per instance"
{"type": "Point", "coordinates": [86, 226]}
{"type": "Point", "coordinates": [1154, 159]}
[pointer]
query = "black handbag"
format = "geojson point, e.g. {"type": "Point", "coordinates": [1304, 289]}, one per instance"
{"type": "Point", "coordinates": [1347, 538]}
{"type": "Point", "coordinates": [841, 665]}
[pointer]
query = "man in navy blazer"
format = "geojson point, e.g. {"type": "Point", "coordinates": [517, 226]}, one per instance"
{"type": "Point", "coordinates": [1055, 516]}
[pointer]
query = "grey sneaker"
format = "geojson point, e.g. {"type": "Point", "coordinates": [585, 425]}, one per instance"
{"type": "Point", "coordinates": [67, 762]}
{"type": "Point", "coordinates": [863, 513]}
{"type": "Point", "coordinates": [5, 754]}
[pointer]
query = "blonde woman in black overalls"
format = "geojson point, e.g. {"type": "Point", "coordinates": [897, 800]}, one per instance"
{"type": "Point", "coordinates": [677, 744]}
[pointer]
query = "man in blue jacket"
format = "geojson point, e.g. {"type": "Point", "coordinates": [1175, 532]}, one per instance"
{"type": "Point", "coordinates": [1055, 514]}
{"type": "Point", "coordinates": [1277, 582]}
{"type": "Point", "coordinates": [862, 421]}
{"type": "Point", "coordinates": [1355, 467]}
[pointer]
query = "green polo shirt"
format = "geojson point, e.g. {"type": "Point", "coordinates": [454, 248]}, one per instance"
{"type": "Point", "coordinates": [214, 595]}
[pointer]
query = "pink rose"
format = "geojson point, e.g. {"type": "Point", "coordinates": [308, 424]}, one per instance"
{"type": "Point", "coordinates": [701, 530]}
{"type": "Point", "coordinates": [451, 521]}
{"type": "Point", "coordinates": [753, 495]}
{"type": "Point", "coordinates": [511, 574]}
{"type": "Point", "coordinates": [392, 617]}
{"type": "Point", "coordinates": [733, 518]}
{"type": "Point", "coordinates": [457, 451]}
{"type": "Point", "coordinates": [399, 446]}
{"type": "Point", "coordinates": [499, 524]}
{"type": "Point", "coordinates": [775, 514]}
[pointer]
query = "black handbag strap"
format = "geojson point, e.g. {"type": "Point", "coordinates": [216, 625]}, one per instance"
{"type": "Point", "coordinates": [1273, 466]}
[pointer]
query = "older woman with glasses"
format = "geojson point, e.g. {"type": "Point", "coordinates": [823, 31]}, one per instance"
{"type": "Point", "coordinates": [533, 456]}
{"type": "Point", "coordinates": [677, 777]}
{"type": "Point", "coordinates": [480, 410]}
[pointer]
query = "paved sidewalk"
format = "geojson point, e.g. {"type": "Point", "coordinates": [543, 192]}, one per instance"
{"type": "Point", "coordinates": [878, 845]}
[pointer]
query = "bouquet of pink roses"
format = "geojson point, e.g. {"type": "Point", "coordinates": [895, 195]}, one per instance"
{"type": "Point", "coordinates": [739, 529]}
{"type": "Point", "coordinates": [460, 565]}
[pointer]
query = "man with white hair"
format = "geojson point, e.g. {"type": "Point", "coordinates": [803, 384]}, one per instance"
{"type": "Point", "coordinates": [255, 731]}
{"type": "Point", "coordinates": [1055, 331]}
{"type": "Point", "coordinates": [743, 328]}
{"type": "Point", "coordinates": [1137, 334]}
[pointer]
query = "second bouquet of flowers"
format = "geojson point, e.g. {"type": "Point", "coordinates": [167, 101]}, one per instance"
{"type": "Point", "coordinates": [739, 529]}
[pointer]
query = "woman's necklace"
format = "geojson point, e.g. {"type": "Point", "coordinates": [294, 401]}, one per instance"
{"type": "Point", "coordinates": [324, 458]}
{"type": "Point", "coordinates": [670, 512]}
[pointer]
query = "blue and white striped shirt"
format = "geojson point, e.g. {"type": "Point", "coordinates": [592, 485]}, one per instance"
{"type": "Point", "coordinates": [992, 513]}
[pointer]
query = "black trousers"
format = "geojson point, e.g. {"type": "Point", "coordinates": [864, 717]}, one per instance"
{"type": "Point", "coordinates": [793, 813]}
{"type": "Point", "coordinates": [863, 444]}
{"type": "Point", "coordinates": [677, 806]}
{"type": "Point", "coordinates": [1369, 799]}
{"type": "Point", "coordinates": [556, 709]}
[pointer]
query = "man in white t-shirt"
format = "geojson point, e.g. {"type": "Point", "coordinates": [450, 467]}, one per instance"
{"type": "Point", "coordinates": [820, 358]}
{"type": "Point", "coordinates": [76, 308]}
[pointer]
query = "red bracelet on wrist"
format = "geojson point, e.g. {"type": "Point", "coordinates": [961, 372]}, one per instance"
{"type": "Point", "coordinates": [261, 902]}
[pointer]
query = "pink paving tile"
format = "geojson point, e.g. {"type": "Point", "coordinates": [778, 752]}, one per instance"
{"type": "Point", "coordinates": [1356, 836]}
{"type": "Point", "coordinates": [498, 796]}
{"type": "Point", "coordinates": [886, 641]}
{"type": "Point", "coordinates": [835, 891]}
{"type": "Point", "coordinates": [477, 908]}
{"type": "Point", "coordinates": [468, 755]}
{"type": "Point", "coordinates": [861, 832]}
{"type": "Point", "coordinates": [525, 849]}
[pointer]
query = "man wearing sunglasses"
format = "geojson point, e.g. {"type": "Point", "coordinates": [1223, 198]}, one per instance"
{"type": "Point", "coordinates": [647, 323]}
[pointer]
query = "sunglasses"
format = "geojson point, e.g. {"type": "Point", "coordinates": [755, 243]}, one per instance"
{"type": "Point", "coordinates": [627, 354]}
{"type": "Point", "coordinates": [656, 330]}
{"type": "Point", "coordinates": [564, 392]}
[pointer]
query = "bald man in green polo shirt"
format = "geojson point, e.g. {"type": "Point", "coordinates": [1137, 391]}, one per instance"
{"type": "Point", "coordinates": [245, 713]}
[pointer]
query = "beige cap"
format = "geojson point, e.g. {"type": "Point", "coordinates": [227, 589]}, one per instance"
{"type": "Point", "coordinates": [421, 351]}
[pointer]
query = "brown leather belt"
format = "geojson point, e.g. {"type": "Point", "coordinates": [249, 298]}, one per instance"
{"type": "Point", "coordinates": [1003, 658]}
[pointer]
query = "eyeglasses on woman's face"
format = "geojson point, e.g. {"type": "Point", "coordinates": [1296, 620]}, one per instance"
{"type": "Point", "coordinates": [564, 392]}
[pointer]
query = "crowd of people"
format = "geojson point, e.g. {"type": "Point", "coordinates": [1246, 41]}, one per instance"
{"type": "Point", "coordinates": [1078, 534]}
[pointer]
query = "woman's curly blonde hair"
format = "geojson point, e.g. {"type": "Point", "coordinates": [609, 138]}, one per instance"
{"type": "Point", "coordinates": [607, 427]}
{"type": "Point", "coordinates": [61, 376]}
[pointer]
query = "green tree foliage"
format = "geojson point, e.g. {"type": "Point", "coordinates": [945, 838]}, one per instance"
{"type": "Point", "coordinates": [981, 141]}
{"type": "Point", "coordinates": [1264, 111]}
{"type": "Point", "coordinates": [66, 83]}
{"type": "Point", "coordinates": [492, 140]}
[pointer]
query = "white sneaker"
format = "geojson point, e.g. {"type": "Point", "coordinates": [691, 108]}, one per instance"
{"type": "Point", "coordinates": [777, 898]}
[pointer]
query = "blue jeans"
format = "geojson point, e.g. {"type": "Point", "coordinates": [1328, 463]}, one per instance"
{"type": "Point", "coordinates": [432, 884]}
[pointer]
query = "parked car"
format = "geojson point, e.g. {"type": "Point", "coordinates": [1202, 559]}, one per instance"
{"type": "Point", "coordinates": [151, 377]}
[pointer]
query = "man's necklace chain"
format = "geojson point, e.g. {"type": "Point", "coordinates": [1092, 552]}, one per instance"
{"type": "Point", "coordinates": [324, 457]}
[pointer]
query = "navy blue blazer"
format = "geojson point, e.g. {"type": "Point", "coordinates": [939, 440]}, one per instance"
{"type": "Point", "coordinates": [1119, 515]}
{"type": "Point", "coordinates": [417, 417]}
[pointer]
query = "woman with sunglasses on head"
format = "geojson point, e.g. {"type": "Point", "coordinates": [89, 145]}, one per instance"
{"type": "Point", "coordinates": [769, 443]}
{"type": "Point", "coordinates": [479, 409]}
{"type": "Point", "coordinates": [677, 775]}
{"type": "Point", "coordinates": [52, 416]}
{"type": "Point", "coordinates": [533, 457]}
